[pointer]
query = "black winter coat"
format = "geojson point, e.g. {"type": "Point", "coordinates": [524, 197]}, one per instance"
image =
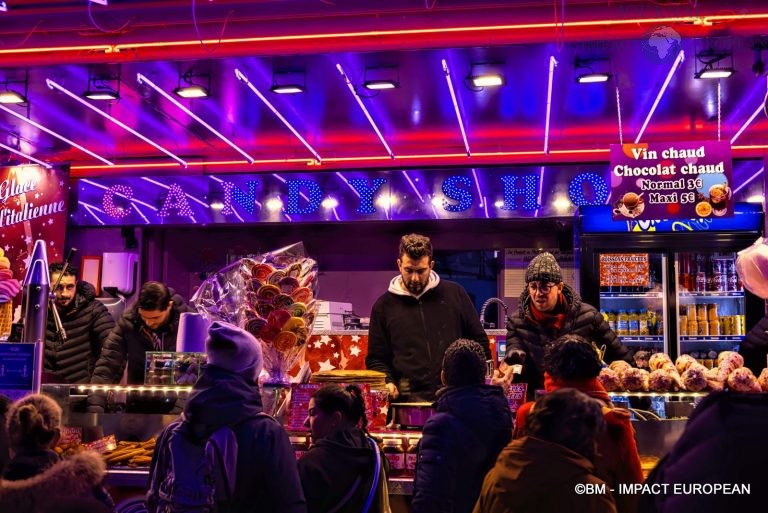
{"type": "Point", "coordinates": [331, 466]}
{"type": "Point", "coordinates": [127, 344]}
{"type": "Point", "coordinates": [408, 336]}
{"type": "Point", "coordinates": [754, 347]}
{"type": "Point", "coordinates": [723, 443]}
{"type": "Point", "coordinates": [581, 319]}
{"type": "Point", "coordinates": [459, 445]}
{"type": "Point", "coordinates": [267, 478]}
{"type": "Point", "coordinates": [87, 325]}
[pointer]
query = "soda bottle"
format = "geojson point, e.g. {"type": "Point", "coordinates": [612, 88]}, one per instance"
{"type": "Point", "coordinates": [711, 284]}
{"type": "Point", "coordinates": [701, 273]}
{"type": "Point", "coordinates": [732, 279]}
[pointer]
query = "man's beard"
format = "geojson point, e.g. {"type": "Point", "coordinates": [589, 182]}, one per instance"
{"type": "Point", "coordinates": [416, 288]}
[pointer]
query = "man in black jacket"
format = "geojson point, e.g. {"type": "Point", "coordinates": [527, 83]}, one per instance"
{"type": "Point", "coordinates": [548, 310]}
{"type": "Point", "coordinates": [151, 325]}
{"type": "Point", "coordinates": [86, 323]}
{"type": "Point", "coordinates": [413, 323]}
{"type": "Point", "coordinates": [461, 441]}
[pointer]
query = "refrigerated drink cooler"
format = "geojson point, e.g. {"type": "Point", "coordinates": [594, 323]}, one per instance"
{"type": "Point", "coordinates": [670, 285]}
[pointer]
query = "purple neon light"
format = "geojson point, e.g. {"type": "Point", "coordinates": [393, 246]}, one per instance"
{"type": "Point", "coordinates": [413, 186]}
{"type": "Point", "coordinates": [28, 157]}
{"type": "Point", "coordinates": [477, 184]}
{"type": "Point", "coordinates": [347, 182]}
{"type": "Point", "coordinates": [552, 65]}
{"type": "Point", "coordinates": [219, 180]}
{"type": "Point", "coordinates": [365, 111]}
{"type": "Point", "coordinates": [159, 184]}
{"type": "Point", "coordinates": [242, 78]}
{"type": "Point", "coordinates": [456, 107]}
{"type": "Point", "coordinates": [144, 80]}
{"type": "Point", "coordinates": [748, 122]}
{"type": "Point", "coordinates": [744, 183]}
{"type": "Point", "coordinates": [56, 135]}
{"type": "Point", "coordinates": [54, 85]}
{"type": "Point", "coordinates": [132, 200]}
{"type": "Point", "coordinates": [90, 209]}
{"type": "Point", "coordinates": [541, 188]}
{"type": "Point", "coordinates": [146, 221]}
{"type": "Point", "coordinates": [678, 60]}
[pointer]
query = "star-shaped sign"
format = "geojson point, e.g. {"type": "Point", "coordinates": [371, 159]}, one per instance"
{"type": "Point", "coordinates": [355, 338]}
{"type": "Point", "coordinates": [326, 365]}
{"type": "Point", "coordinates": [318, 344]}
{"type": "Point", "coordinates": [354, 350]}
{"type": "Point", "coordinates": [325, 339]}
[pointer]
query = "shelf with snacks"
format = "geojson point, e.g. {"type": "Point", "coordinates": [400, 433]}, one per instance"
{"type": "Point", "coordinates": [631, 295]}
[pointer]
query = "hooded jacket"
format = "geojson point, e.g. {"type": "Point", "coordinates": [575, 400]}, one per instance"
{"type": "Point", "coordinates": [127, 344]}
{"type": "Point", "coordinates": [617, 460]}
{"type": "Point", "coordinates": [87, 325]}
{"type": "Point", "coordinates": [266, 479]}
{"type": "Point", "coordinates": [408, 335]}
{"type": "Point", "coordinates": [76, 477]}
{"type": "Point", "coordinates": [527, 335]}
{"type": "Point", "coordinates": [536, 476]}
{"type": "Point", "coordinates": [330, 468]}
{"type": "Point", "coordinates": [459, 445]}
{"type": "Point", "coordinates": [723, 443]}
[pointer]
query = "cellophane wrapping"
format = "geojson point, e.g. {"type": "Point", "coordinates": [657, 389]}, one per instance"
{"type": "Point", "coordinates": [272, 296]}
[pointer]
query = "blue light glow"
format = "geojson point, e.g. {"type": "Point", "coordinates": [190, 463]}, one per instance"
{"type": "Point", "coordinates": [366, 192]}
{"type": "Point", "coordinates": [245, 200]}
{"type": "Point", "coordinates": [175, 200]}
{"type": "Point", "coordinates": [463, 194]}
{"type": "Point", "coordinates": [599, 187]}
{"type": "Point", "coordinates": [529, 191]}
{"type": "Point", "coordinates": [294, 193]}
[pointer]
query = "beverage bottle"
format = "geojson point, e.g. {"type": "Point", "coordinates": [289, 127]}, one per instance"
{"type": "Point", "coordinates": [722, 276]}
{"type": "Point", "coordinates": [393, 451]}
{"type": "Point", "coordinates": [659, 324]}
{"type": "Point", "coordinates": [701, 273]}
{"type": "Point", "coordinates": [651, 316]}
{"type": "Point", "coordinates": [685, 272]}
{"type": "Point", "coordinates": [732, 279]}
{"type": "Point", "coordinates": [612, 321]}
{"type": "Point", "coordinates": [644, 324]}
{"type": "Point", "coordinates": [622, 324]}
{"type": "Point", "coordinates": [634, 323]}
{"type": "Point", "coordinates": [710, 274]}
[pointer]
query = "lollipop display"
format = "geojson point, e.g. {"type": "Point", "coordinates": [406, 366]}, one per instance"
{"type": "Point", "coordinates": [272, 296]}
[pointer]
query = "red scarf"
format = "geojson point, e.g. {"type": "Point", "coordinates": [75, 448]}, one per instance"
{"type": "Point", "coordinates": [591, 387]}
{"type": "Point", "coordinates": [556, 319]}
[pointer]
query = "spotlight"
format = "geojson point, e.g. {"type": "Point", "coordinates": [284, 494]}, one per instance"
{"type": "Point", "coordinates": [590, 76]}
{"type": "Point", "coordinates": [711, 68]}
{"type": "Point", "coordinates": [215, 200]}
{"type": "Point", "coordinates": [103, 85]}
{"type": "Point", "coordinates": [191, 89]}
{"type": "Point", "coordinates": [378, 79]}
{"type": "Point", "coordinates": [330, 202]}
{"type": "Point", "coordinates": [483, 75]}
{"type": "Point", "coordinates": [13, 96]}
{"type": "Point", "coordinates": [288, 81]}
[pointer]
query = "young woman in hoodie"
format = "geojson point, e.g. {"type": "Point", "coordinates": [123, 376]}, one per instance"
{"type": "Point", "coordinates": [37, 479]}
{"type": "Point", "coordinates": [338, 473]}
{"type": "Point", "coordinates": [573, 362]}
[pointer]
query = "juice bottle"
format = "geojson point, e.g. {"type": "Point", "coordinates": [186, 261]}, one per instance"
{"type": "Point", "coordinates": [393, 450]}
{"type": "Point", "coordinates": [622, 324]}
{"type": "Point", "coordinates": [645, 324]}
{"type": "Point", "coordinates": [612, 320]}
{"type": "Point", "coordinates": [634, 323]}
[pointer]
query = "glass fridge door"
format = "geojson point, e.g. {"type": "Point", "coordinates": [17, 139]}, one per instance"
{"type": "Point", "coordinates": [632, 299]}
{"type": "Point", "coordinates": [711, 305]}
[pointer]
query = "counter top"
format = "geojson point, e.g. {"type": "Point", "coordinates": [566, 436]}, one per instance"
{"type": "Point", "coordinates": [492, 333]}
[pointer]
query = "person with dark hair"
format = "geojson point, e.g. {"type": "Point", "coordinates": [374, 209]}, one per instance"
{"type": "Point", "coordinates": [343, 471]}
{"type": "Point", "coordinates": [461, 441]}
{"type": "Point", "coordinates": [151, 325]}
{"type": "Point", "coordinates": [86, 323]}
{"type": "Point", "coordinates": [548, 310]}
{"type": "Point", "coordinates": [227, 395]}
{"type": "Point", "coordinates": [37, 479]}
{"type": "Point", "coordinates": [573, 362]}
{"type": "Point", "coordinates": [539, 473]}
{"type": "Point", "coordinates": [414, 322]}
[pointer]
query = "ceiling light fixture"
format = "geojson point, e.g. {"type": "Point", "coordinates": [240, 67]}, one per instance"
{"type": "Point", "coordinates": [486, 74]}
{"type": "Point", "coordinates": [552, 66]}
{"type": "Point", "coordinates": [589, 75]}
{"type": "Point", "coordinates": [26, 156]}
{"type": "Point", "coordinates": [56, 135]}
{"type": "Point", "coordinates": [103, 85]}
{"type": "Point", "coordinates": [447, 73]}
{"type": "Point", "coordinates": [145, 81]}
{"type": "Point", "coordinates": [191, 89]}
{"type": "Point", "coordinates": [382, 78]}
{"type": "Point", "coordinates": [12, 96]}
{"type": "Point", "coordinates": [242, 78]}
{"type": "Point", "coordinates": [710, 59]}
{"type": "Point", "coordinates": [53, 85]}
{"type": "Point", "coordinates": [288, 81]}
{"type": "Point", "coordinates": [365, 111]}
{"type": "Point", "coordinates": [678, 60]}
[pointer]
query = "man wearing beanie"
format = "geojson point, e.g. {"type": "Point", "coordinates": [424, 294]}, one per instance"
{"type": "Point", "coordinates": [227, 394]}
{"type": "Point", "coordinates": [548, 310]}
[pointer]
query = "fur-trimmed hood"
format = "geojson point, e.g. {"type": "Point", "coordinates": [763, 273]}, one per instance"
{"type": "Point", "coordinates": [73, 477]}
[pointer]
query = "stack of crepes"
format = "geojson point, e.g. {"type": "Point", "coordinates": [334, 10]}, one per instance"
{"type": "Point", "coordinates": [272, 296]}
{"type": "Point", "coordinates": [9, 288]}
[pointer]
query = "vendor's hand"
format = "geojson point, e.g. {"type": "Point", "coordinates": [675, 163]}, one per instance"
{"type": "Point", "coordinates": [503, 376]}
{"type": "Point", "coordinates": [394, 393]}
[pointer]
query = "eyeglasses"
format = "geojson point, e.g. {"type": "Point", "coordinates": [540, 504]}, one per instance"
{"type": "Point", "coordinates": [544, 288]}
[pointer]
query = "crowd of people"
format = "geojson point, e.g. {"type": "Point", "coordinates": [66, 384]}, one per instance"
{"type": "Point", "coordinates": [472, 455]}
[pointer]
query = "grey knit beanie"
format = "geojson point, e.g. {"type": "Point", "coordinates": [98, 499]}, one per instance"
{"type": "Point", "coordinates": [543, 268]}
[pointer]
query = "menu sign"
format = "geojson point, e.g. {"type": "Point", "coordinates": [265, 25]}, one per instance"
{"type": "Point", "coordinates": [624, 269]}
{"type": "Point", "coordinates": [674, 180]}
{"type": "Point", "coordinates": [375, 405]}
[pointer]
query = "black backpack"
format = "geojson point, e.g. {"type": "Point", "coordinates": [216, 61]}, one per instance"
{"type": "Point", "coordinates": [190, 474]}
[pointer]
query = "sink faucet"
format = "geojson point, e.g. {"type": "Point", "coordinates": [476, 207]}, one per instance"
{"type": "Point", "coordinates": [485, 306]}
